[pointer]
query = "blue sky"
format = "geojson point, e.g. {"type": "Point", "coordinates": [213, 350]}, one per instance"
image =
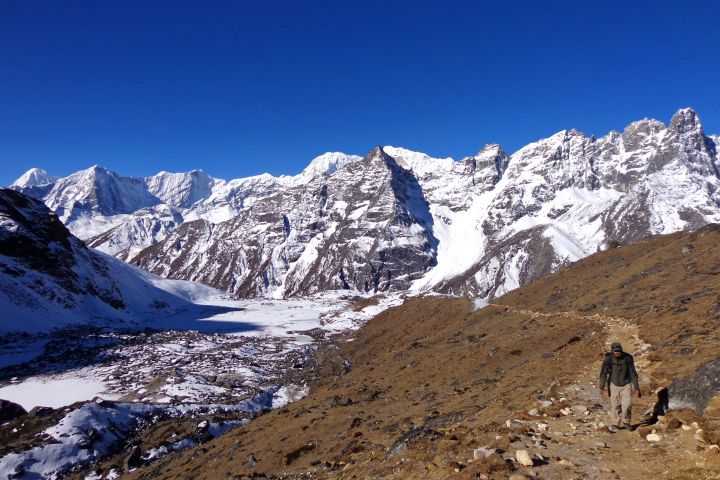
{"type": "Point", "coordinates": [239, 88]}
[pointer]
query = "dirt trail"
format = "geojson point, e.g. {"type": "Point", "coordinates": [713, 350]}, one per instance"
{"type": "Point", "coordinates": [577, 444]}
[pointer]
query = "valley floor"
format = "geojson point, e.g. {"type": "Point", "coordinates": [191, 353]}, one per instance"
{"type": "Point", "coordinates": [192, 364]}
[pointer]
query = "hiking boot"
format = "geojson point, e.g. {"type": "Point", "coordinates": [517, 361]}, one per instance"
{"type": "Point", "coordinates": [612, 429]}
{"type": "Point", "coordinates": [628, 427]}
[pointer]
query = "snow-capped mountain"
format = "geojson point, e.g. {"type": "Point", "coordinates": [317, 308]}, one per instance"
{"type": "Point", "coordinates": [49, 278]}
{"type": "Point", "coordinates": [122, 215]}
{"type": "Point", "coordinates": [399, 219]}
{"type": "Point", "coordinates": [34, 177]}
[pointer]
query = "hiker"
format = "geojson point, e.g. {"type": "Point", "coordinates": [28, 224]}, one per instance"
{"type": "Point", "coordinates": [618, 371]}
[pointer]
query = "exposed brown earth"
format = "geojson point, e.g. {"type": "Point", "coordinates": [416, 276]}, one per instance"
{"type": "Point", "coordinates": [433, 380]}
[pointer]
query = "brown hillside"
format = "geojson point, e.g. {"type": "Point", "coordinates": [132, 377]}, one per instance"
{"type": "Point", "coordinates": [433, 380]}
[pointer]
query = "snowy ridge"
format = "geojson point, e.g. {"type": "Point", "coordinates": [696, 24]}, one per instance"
{"type": "Point", "coordinates": [122, 215]}
{"type": "Point", "coordinates": [399, 219]}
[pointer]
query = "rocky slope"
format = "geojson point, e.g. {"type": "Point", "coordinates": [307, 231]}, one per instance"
{"type": "Point", "coordinates": [437, 389]}
{"type": "Point", "coordinates": [398, 219]}
{"type": "Point", "coordinates": [50, 279]}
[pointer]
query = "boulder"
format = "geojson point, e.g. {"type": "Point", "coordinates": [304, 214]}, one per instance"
{"type": "Point", "coordinates": [10, 411]}
{"type": "Point", "coordinates": [40, 411]}
{"type": "Point", "coordinates": [699, 388]}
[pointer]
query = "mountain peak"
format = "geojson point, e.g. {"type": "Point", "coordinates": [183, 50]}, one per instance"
{"type": "Point", "coordinates": [490, 149]}
{"type": "Point", "coordinates": [376, 152]}
{"type": "Point", "coordinates": [325, 164]}
{"type": "Point", "coordinates": [379, 150]}
{"type": "Point", "coordinates": [33, 177]}
{"type": "Point", "coordinates": [686, 120]}
{"type": "Point", "coordinates": [420, 163]}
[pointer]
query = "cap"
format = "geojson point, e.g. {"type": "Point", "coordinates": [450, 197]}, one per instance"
{"type": "Point", "coordinates": [616, 347]}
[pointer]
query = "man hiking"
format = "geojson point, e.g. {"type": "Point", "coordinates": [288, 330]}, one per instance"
{"type": "Point", "coordinates": [618, 371]}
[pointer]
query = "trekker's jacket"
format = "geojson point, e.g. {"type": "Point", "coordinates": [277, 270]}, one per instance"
{"type": "Point", "coordinates": [619, 371]}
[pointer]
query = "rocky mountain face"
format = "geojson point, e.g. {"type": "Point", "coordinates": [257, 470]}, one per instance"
{"type": "Point", "coordinates": [399, 219]}
{"type": "Point", "coordinates": [366, 227]}
{"type": "Point", "coordinates": [49, 278]}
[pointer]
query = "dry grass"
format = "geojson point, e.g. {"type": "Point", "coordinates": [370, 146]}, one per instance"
{"type": "Point", "coordinates": [447, 378]}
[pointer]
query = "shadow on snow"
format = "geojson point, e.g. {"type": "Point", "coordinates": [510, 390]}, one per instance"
{"type": "Point", "coordinates": [77, 346]}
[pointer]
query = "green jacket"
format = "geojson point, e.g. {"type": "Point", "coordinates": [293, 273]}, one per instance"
{"type": "Point", "coordinates": [619, 371]}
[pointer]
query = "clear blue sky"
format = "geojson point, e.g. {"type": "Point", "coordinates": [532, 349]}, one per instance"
{"type": "Point", "coordinates": [239, 88]}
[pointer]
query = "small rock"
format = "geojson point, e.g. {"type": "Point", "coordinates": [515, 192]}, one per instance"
{"type": "Point", "coordinates": [687, 428]}
{"type": "Point", "coordinates": [546, 403]}
{"type": "Point", "coordinates": [607, 470]}
{"type": "Point", "coordinates": [579, 409]}
{"type": "Point", "coordinates": [673, 424]}
{"type": "Point", "coordinates": [518, 476]}
{"type": "Point", "coordinates": [523, 458]}
{"type": "Point", "coordinates": [715, 449]}
{"type": "Point", "coordinates": [566, 463]}
{"type": "Point", "coordinates": [534, 412]}
{"type": "Point", "coordinates": [701, 436]}
{"type": "Point", "coordinates": [600, 444]}
{"type": "Point", "coordinates": [133, 459]}
{"type": "Point", "coordinates": [483, 452]}
{"type": "Point", "coordinates": [653, 437]}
